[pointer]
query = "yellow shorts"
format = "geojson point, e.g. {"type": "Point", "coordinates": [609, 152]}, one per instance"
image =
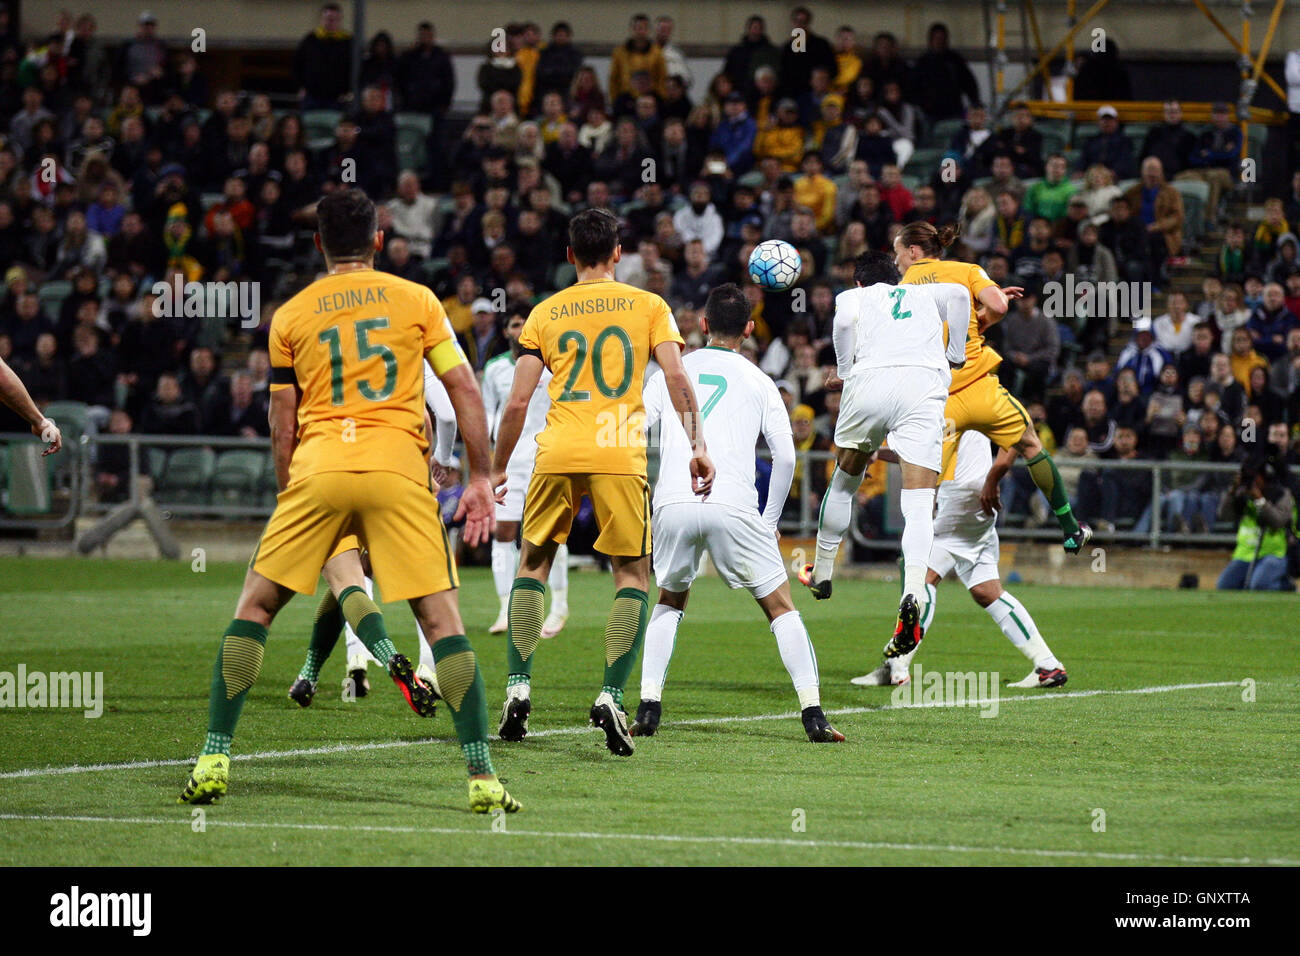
{"type": "Point", "coordinates": [325, 514]}
{"type": "Point", "coordinates": [621, 502]}
{"type": "Point", "coordinates": [987, 407]}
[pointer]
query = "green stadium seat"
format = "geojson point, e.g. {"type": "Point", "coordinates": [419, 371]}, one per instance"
{"type": "Point", "coordinates": [411, 150]}
{"type": "Point", "coordinates": [563, 275]}
{"type": "Point", "coordinates": [942, 132]}
{"type": "Point", "coordinates": [187, 479]}
{"type": "Point", "coordinates": [156, 460]}
{"type": "Point", "coordinates": [416, 121]}
{"type": "Point", "coordinates": [320, 123]}
{"type": "Point", "coordinates": [237, 477]}
{"type": "Point", "coordinates": [925, 162]}
{"type": "Point", "coordinates": [432, 267]}
{"type": "Point", "coordinates": [51, 296]}
{"type": "Point", "coordinates": [1196, 196]}
{"type": "Point", "coordinates": [73, 419]}
{"type": "Point", "coordinates": [267, 491]}
{"type": "Point", "coordinates": [1054, 141]}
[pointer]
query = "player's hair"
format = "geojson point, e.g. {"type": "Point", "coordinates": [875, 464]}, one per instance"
{"type": "Point", "coordinates": [593, 236]}
{"type": "Point", "coordinates": [875, 266]}
{"type": "Point", "coordinates": [931, 240]}
{"type": "Point", "coordinates": [727, 311]}
{"type": "Point", "coordinates": [345, 220]}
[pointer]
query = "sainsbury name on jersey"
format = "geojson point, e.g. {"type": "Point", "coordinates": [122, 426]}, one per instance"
{"type": "Point", "coordinates": [609, 303]}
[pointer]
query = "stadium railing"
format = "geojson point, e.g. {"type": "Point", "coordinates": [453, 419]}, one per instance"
{"type": "Point", "coordinates": [204, 477]}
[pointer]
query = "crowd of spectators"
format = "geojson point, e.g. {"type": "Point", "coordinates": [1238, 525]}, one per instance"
{"type": "Point", "coordinates": [121, 167]}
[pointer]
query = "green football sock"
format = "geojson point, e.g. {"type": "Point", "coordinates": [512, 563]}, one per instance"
{"type": "Point", "coordinates": [461, 685]}
{"type": "Point", "coordinates": [239, 661]}
{"type": "Point", "coordinates": [324, 635]}
{"type": "Point", "coordinates": [1043, 470]}
{"type": "Point", "coordinates": [526, 614]}
{"type": "Point", "coordinates": [363, 614]}
{"type": "Point", "coordinates": [624, 635]}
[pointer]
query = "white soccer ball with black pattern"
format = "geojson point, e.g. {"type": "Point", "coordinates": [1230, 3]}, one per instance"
{"type": "Point", "coordinates": [774, 265]}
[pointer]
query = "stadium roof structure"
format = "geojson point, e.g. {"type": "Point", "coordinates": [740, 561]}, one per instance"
{"type": "Point", "coordinates": [1039, 59]}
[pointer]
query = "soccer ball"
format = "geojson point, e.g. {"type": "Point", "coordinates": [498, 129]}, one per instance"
{"type": "Point", "coordinates": [774, 265]}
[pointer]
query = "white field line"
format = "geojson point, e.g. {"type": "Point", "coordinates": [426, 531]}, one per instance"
{"type": "Point", "coordinates": [569, 731]}
{"type": "Point", "coordinates": [669, 838]}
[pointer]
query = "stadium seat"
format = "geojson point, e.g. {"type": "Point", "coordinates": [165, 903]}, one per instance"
{"type": "Point", "coordinates": [155, 460]}
{"type": "Point", "coordinates": [942, 132]}
{"type": "Point", "coordinates": [431, 267]}
{"type": "Point", "coordinates": [411, 150]}
{"type": "Point", "coordinates": [318, 124]}
{"type": "Point", "coordinates": [267, 491]}
{"type": "Point", "coordinates": [416, 121]}
{"type": "Point", "coordinates": [1196, 196]}
{"type": "Point", "coordinates": [51, 296]}
{"type": "Point", "coordinates": [237, 476]}
{"type": "Point", "coordinates": [73, 419]}
{"type": "Point", "coordinates": [1054, 141]}
{"type": "Point", "coordinates": [925, 162]}
{"type": "Point", "coordinates": [187, 478]}
{"type": "Point", "coordinates": [563, 275]}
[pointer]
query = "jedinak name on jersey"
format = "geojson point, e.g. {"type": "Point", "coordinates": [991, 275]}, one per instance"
{"type": "Point", "coordinates": [591, 307]}
{"type": "Point", "coordinates": [350, 298]}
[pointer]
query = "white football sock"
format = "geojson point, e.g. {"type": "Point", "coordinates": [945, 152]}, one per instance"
{"type": "Point", "coordinates": [353, 643]}
{"type": "Point", "coordinates": [426, 651]}
{"type": "Point", "coordinates": [1021, 630]}
{"type": "Point", "coordinates": [558, 582]}
{"type": "Point", "coordinates": [505, 558]}
{"type": "Point", "coordinates": [798, 656]}
{"type": "Point", "coordinates": [660, 638]}
{"type": "Point", "coordinates": [918, 534]}
{"type": "Point", "coordinates": [833, 522]}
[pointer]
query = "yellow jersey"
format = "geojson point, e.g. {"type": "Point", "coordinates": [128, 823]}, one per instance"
{"type": "Point", "coordinates": [980, 359]}
{"type": "Point", "coordinates": [354, 343]}
{"type": "Point", "coordinates": [596, 337]}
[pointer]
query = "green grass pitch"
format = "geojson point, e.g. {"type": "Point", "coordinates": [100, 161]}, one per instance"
{"type": "Point", "coordinates": [1177, 774]}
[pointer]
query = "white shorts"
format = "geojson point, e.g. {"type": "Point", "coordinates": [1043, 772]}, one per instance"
{"type": "Point", "coordinates": [512, 509]}
{"type": "Point", "coordinates": [740, 543]}
{"type": "Point", "coordinates": [901, 405]}
{"type": "Point", "coordinates": [974, 561]}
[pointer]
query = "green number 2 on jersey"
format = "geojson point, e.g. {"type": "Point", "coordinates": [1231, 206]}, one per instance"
{"type": "Point", "coordinates": [365, 349]}
{"type": "Point", "coordinates": [578, 341]}
{"type": "Point", "coordinates": [897, 295]}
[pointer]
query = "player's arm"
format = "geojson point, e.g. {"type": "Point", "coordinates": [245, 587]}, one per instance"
{"type": "Point", "coordinates": [528, 372]}
{"type": "Point", "coordinates": [990, 500]}
{"type": "Point", "coordinates": [993, 304]}
{"type": "Point", "coordinates": [443, 435]}
{"type": "Point", "coordinates": [14, 394]}
{"type": "Point", "coordinates": [954, 309]}
{"type": "Point", "coordinates": [843, 338]}
{"type": "Point", "coordinates": [282, 415]}
{"type": "Point", "coordinates": [669, 356]}
{"type": "Point", "coordinates": [476, 501]}
{"type": "Point", "coordinates": [780, 442]}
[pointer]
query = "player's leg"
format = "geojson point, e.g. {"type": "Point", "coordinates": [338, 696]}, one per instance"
{"type": "Point", "coordinates": [558, 581]}
{"type": "Point", "coordinates": [916, 501]}
{"type": "Point", "coordinates": [549, 509]}
{"type": "Point", "coordinates": [800, 660]}
{"type": "Point", "coordinates": [356, 683]}
{"type": "Point", "coordinates": [348, 581]}
{"type": "Point", "coordinates": [833, 519]}
{"type": "Point", "coordinates": [461, 684]}
{"type": "Point", "coordinates": [1015, 621]}
{"type": "Point", "coordinates": [239, 661]}
{"type": "Point", "coordinates": [660, 639]}
{"type": "Point", "coordinates": [1012, 428]}
{"type": "Point", "coordinates": [622, 508]}
{"type": "Point", "coordinates": [298, 538]}
{"type": "Point", "coordinates": [325, 630]}
{"type": "Point", "coordinates": [896, 671]}
{"type": "Point", "coordinates": [505, 558]}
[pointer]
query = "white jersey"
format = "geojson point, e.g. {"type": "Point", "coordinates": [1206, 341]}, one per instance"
{"type": "Point", "coordinates": [893, 326]}
{"type": "Point", "coordinates": [444, 415]}
{"type": "Point", "coordinates": [498, 378]}
{"type": "Point", "coordinates": [737, 404]}
{"type": "Point", "coordinates": [959, 514]}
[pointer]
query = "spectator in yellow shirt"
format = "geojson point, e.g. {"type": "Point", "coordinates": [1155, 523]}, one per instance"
{"type": "Point", "coordinates": [530, 39]}
{"type": "Point", "coordinates": [457, 306]}
{"type": "Point", "coordinates": [848, 63]}
{"type": "Point", "coordinates": [815, 191]}
{"type": "Point", "coordinates": [1243, 358]}
{"type": "Point", "coordinates": [638, 52]}
{"type": "Point", "coordinates": [784, 140]}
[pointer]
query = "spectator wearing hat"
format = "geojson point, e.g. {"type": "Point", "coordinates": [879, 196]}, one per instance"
{"type": "Point", "coordinates": [1109, 146]}
{"type": "Point", "coordinates": [143, 60]}
{"type": "Point", "coordinates": [837, 141]}
{"type": "Point", "coordinates": [484, 338]}
{"type": "Point", "coordinates": [1144, 356]}
{"type": "Point", "coordinates": [1216, 160]}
